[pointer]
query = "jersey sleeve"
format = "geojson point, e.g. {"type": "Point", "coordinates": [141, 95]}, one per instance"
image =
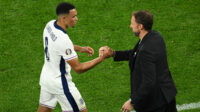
{"type": "Point", "coordinates": [66, 50]}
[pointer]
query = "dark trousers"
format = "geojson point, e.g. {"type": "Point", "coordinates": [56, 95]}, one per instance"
{"type": "Point", "coordinates": [170, 107]}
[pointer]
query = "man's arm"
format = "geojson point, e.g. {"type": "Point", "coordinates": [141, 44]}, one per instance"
{"type": "Point", "coordinates": [122, 55]}
{"type": "Point", "coordinates": [86, 49]}
{"type": "Point", "coordinates": [117, 55]}
{"type": "Point", "coordinates": [83, 67]}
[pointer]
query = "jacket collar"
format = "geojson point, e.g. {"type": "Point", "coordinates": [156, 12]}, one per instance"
{"type": "Point", "coordinates": [140, 44]}
{"type": "Point", "coordinates": [145, 38]}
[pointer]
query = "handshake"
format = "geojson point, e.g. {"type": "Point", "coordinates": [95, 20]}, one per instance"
{"type": "Point", "coordinates": [106, 52]}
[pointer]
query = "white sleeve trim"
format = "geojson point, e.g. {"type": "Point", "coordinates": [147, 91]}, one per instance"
{"type": "Point", "coordinates": [71, 58]}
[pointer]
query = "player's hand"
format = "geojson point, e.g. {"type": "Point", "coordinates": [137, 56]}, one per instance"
{"type": "Point", "coordinates": [127, 107]}
{"type": "Point", "coordinates": [105, 52]}
{"type": "Point", "coordinates": [88, 50]}
{"type": "Point", "coordinates": [101, 52]}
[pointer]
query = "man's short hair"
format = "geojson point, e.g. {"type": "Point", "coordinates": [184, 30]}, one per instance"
{"type": "Point", "coordinates": [64, 8]}
{"type": "Point", "coordinates": [145, 18]}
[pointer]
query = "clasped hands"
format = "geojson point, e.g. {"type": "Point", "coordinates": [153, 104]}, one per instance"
{"type": "Point", "coordinates": [105, 52]}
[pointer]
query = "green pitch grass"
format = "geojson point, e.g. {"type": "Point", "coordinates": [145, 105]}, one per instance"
{"type": "Point", "coordinates": [101, 22]}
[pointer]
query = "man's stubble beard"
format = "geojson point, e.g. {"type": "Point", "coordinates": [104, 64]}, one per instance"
{"type": "Point", "coordinates": [136, 33]}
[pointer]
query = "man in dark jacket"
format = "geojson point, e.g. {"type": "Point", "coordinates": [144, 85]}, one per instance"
{"type": "Point", "coordinates": [152, 86]}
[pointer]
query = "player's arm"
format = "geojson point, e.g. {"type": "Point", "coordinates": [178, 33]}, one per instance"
{"type": "Point", "coordinates": [86, 49]}
{"type": "Point", "coordinates": [83, 67]}
{"type": "Point", "coordinates": [78, 48]}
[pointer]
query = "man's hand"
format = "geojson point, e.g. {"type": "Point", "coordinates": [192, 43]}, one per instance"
{"type": "Point", "coordinates": [88, 50]}
{"type": "Point", "coordinates": [127, 107]}
{"type": "Point", "coordinates": [105, 52]}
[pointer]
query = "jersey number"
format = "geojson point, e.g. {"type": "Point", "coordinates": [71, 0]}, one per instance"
{"type": "Point", "coordinates": [46, 49]}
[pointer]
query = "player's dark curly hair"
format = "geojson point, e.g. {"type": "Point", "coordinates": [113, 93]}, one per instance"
{"type": "Point", "coordinates": [64, 8]}
{"type": "Point", "coordinates": [145, 18]}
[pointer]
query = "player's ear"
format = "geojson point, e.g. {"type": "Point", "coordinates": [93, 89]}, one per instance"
{"type": "Point", "coordinates": [63, 17]}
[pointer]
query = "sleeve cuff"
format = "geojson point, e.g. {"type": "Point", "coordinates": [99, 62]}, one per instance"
{"type": "Point", "coordinates": [67, 59]}
{"type": "Point", "coordinates": [131, 101]}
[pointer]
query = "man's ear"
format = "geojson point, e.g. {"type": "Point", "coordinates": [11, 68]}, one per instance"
{"type": "Point", "coordinates": [141, 27]}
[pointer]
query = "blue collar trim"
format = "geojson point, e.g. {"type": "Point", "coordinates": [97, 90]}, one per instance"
{"type": "Point", "coordinates": [58, 27]}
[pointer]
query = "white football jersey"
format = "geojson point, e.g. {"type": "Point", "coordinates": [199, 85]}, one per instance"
{"type": "Point", "coordinates": [58, 49]}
